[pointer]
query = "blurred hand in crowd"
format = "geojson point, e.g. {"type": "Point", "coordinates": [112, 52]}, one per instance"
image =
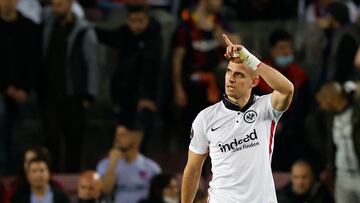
{"type": "Point", "coordinates": [19, 95]}
{"type": "Point", "coordinates": [146, 104]}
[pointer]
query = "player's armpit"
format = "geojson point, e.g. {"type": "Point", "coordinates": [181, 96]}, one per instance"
{"type": "Point", "coordinates": [280, 102]}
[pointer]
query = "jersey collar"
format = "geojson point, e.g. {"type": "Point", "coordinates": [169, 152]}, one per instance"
{"type": "Point", "coordinates": [234, 106]}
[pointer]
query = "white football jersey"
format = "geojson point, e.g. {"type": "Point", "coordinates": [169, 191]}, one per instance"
{"type": "Point", "coordinates": [240, 144]}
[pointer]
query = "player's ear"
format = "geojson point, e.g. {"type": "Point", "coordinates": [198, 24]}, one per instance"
{"type": "Point", "coordinates": [254, 81]}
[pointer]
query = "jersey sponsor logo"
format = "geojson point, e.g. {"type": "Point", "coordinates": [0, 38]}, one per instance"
{"type": "Point", "coordinates": [239, 144]}
{"type": "Point", "coordinates": [213, 129]}
{"type": "Point", "coordinates": [250, 116]}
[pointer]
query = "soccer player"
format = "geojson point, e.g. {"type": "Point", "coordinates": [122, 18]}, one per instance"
{"type": "Point", "coordinates": [237, 133]}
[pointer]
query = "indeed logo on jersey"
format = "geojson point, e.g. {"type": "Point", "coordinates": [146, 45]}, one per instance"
{"type": "Point", "coordinates": [239, 144]}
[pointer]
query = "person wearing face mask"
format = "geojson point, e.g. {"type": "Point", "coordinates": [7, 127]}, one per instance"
{"type": "Point", "coordinates": [68, 83]}
{"type": "Point", "coordinates": [126, 173]}
{"type": "Point", "coordinates": [290, 142]}
{"type": "Point", "coordinates": [164, 188]}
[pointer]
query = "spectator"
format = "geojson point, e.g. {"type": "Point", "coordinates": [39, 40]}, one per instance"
{"type": "Point", "coordinates": [89, 188]}
{"type": "Point", "coordinates": [344, 43]}
{"type": "Point", "coordinates": [344, 103]}
{"type": "Point", "coordinates": [126, 173]}
{"type": "Point", "coordinates": [290, 141]}
{"type": "Point", "coordinates": [19, 58]}
{"type": "Point", "coordinates": [164, 188]}
{"type": "Point", "coordinates": [139, 46]}
{"type": "Point", "coordinates": [33, 10]}
{"type": "Point", "coordinates": [21, 183]}
{"type": "Point", "coordinates": [68, 83]}
{"type": "Point", "coordinates": [317, 10]}
{"type": "Point", "coordinates": [201, 197]}
{"type": "Point", "coordinates": [259, 10]}
{"type": "Point", "coordinates": [197, 56]}
{"type": "Point", "coordinates": [304, 186]}
{"type": "Point", "coordinates": [38, 175]}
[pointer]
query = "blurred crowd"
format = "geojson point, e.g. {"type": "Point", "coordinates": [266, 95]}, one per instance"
{"type": "Point", "coordinates": [99, 87]}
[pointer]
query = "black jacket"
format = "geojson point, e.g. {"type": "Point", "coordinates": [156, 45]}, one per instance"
{"type": "Point", "coordinates": [317, 194]}
{"type": "Point", "coordinates": [20, 48]}
{"type": "Point", "coordinates": [139, 58]}
{"type": "Point", "coordinates": [24, 196]}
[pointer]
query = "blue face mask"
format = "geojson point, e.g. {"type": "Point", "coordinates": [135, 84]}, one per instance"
{"type": "Point", "coordinates": [283, 61]}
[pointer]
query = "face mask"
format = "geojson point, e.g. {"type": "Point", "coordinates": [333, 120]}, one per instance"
{"type": "Point", "coordinates": [170, 200]}
{"type": "Point", "coordinates": [283, 61]}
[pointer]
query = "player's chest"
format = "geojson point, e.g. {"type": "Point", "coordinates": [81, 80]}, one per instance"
{"type": "Point", "coordinates": [231, 131]}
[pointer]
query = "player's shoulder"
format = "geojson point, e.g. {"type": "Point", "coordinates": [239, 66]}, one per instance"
{"type": "Point", "coordinates": [210, 110]}
{"type": "Point", "coordinates": [262, 99]}
{"type": "Point", "coordinates": [150, 164]}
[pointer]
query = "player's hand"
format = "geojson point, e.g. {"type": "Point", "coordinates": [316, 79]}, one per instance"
{"type": "Point", "coordinates": [114, 154]}
{"type": "Point", "coordinates": [180, 97]}
{"type": "Point", "coordinates": [239, 54]}
{"type": "Point", "coordinates": [146, 104]}
{"type": "Point", "coordinates": [19, 95]}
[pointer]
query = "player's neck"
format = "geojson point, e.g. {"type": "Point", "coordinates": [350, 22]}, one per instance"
{"type": "Point", "coordinates": [131, 155]}
{"type": "Point", "coordinates": [242, 101]}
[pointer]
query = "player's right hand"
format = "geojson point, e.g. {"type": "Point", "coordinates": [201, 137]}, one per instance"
{"type": "Point", "coordinates": [239, 54]}
{"type": "Point", "coordinates": [114, 154]}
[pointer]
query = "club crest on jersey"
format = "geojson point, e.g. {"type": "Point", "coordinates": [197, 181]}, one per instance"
{"type": "Point", "coordinates": [250, 116]}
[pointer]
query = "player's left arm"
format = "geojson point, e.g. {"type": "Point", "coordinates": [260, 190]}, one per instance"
{"type": "Point", "coordinates": [283, 88]}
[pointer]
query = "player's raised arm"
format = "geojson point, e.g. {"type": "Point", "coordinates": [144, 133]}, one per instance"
{"type": "Point", "coordinates": [283, 88]}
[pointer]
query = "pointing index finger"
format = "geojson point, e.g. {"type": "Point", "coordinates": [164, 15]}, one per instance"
{"type": "Point", "coordinates": [227, 40]}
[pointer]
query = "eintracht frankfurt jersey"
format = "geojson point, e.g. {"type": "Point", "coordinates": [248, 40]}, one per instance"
{"type": "Point", "coordinates": [240, 144]}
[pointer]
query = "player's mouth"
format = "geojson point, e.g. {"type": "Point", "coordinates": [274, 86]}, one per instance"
{"type": "Point", "coordinates": [229, 87]}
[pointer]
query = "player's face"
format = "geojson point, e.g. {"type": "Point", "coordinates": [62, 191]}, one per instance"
{"type": "Point", "coordinates": [123, 139]}
{"type": "Point", "coordinates": [326, 103]}
{"type": "Point", "coordinates": [239, 80]}
{"type": "Point", "coordinates": [38, 174]}
{"type": "Point", "coordinates": [88, 189]}
{"type": "Point", "coordinates": [301, 178]}
{"type": "Point", "coordinates": [138, 22]}
{"type": "Point", "coordinates": [61, 8]}
{"type": "Point", "coordinates": [172, 190]}
{"type": "Point", "coordinates": [282, 48]}
{"type": "Point", "coordinates": [8, 6]}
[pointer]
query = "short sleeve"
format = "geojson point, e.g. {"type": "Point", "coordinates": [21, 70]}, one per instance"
{"type": "Point", "coordinates": [102, 167]}
{"type": "Point", "coordinates": [274, 114]}
{"type": "Point", "coordinates": [156, 169]}
{"type": "Point", "coordinates": [199, 143]}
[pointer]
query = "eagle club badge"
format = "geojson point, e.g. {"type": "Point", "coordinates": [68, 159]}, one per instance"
{"type": "Point", "coordinates": [191, 133]}
{"type": "Point", "coordinates": [250, 116]}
